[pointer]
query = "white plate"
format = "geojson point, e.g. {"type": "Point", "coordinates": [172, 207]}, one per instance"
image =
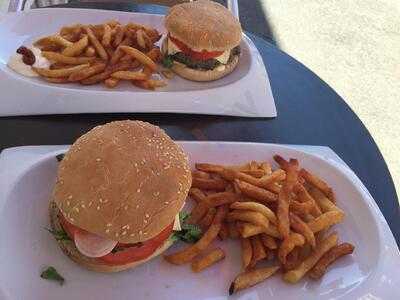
{"type": "Point", "coordinates": [245, 92]}
{"type": "Point", "coordinates": [27, 175]}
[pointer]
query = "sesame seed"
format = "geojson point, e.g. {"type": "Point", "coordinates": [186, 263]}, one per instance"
{"type": "Point", "coordinates": [68, 203]}
{"type": "Point", "coordinates": [166, 202]}
{"type": "Point", "coordinates": [156, 194]}
{"type": "Point", "coordinates": [132, 234]}
{"type": "Point", "coordinates": [117, 234]}
{"type": "Point", "coordinates": [138, 190]}
{"type": "Point", "coordinates": [90, 203]}
{"type": "Point", "coordinates": [145, 221]}
{"type": "Point", "coordinates": [145, 233]}
{"type": "Point", "coordinates": [124, 232]}
{"type": "Point", "coordinates": [126, 207]}
{"type": "Point", "coordinates": [147, 215]}
{"type": "Point", "coordinates": [83, 205]}
{"type": "Point", "coordinates": [98, 207]}
{"type": "Point", "coordinates": [137, 206]}
{"type": "Point", "coordinates": [70, 197]}
{"type": "Point", "coordinates": [109, 225]}
{"type": "Point", "coordinates": [140, 232]}
{"type": "Point", "coordinates": [98, 159]}
{"type": "Point", "coordinates": [71, 219]}
{"type": "Point", "coordinates": [76, 209]}
{"type": "Point", "coordinates": [125, 226]}
{"type": "Point", "coordinates": [107, 230]}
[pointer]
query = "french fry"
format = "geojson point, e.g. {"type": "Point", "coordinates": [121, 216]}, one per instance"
{"type": "Point", "coordinates": [58, 57]}
{"type": "Point", "coordinates": [224, 231]}
{"type": "Point", "coordinates": [283, 163]}
{"type": "Point", "coordinates": [119, 35]}
{"type": "Point", "coordinates": [96, 44]}
{"type": "Point", "coordinates": [259, 252]}
{"type": "Point", "coordinates": [208, 260]}
{"type": "Point", "coordinates": [209, 184]}
{"type": "Point", "coordinates": [155, 54]}
{"type": "Point", "coordinates": [275, 176]}
{"type": "Point", "coordinates": [325, 220]}
{"type": "Point", "coordinates": [106, 41]}
{"type": "Point", "coordinates": [266, 167]}
{"type": "Point", "coordinates": [140, 39]}
{"type": "Point", "coordinates": [200, 174]}
{"type": "Point", "coordinates": [198, 212]}
{"type": "Point", "coordinates": [73, 29]}
{"type": "Point", "coordinates": [218, 199]}
{"type": "Point", "coordinates": [248, 216]}
{"type": "Point", "coordinates": [318, 183]}
{"type": "Point", "coordinates": [251, 278]}
{"type": "Point", "coordinates": [248, 229]}
{"type": "Point", "coordinates": [196, 194]}
{"type": "Point", "coordinates": [288, 244]}
{"type": "Point", "coordinates": [324, 246]}
{"type": "Point", "coordinates": [111, 82]}
{"type": "Point", "coordinates": [304, 196]}
{"type": "Point", "coordinates": [87, 72]}
{"type": "Point", "coordinates": [59, 72]}
{"type": "Point", "coordinates": [268, 241]}
{"type": "Point", "coordinates": [210, 168]}
{"type": "Point", "coordinates": [90, 51]}
{"type": "Point", "coordinates": [255, 192]}
{"type": "Point", "coordinates": [233, 231]}
{"type": "Point", "coordinates": [247, 252]}
{"type": "Point", "coordinates": [323, 202]}
{"type": "Point", "coordinates": [301, 208]}
{"type": "Point", "coordinates": [329, 258]}
{"type": "Point", "coordinates": [292, 259]}
{"type": "Point", "coordinates": [206, 221]}
{"type": "Point", "coordinates": [186, 255]}
{"type": "Point", "coordinates": [140, 56]}
{"type": "Point", "coordinates": [77, 48]}
{"type": "Point", "coordinates": [112, 23]}
{"type": "Point", "coordinates": [282, 213]}
{"type": "Point", "coordinates": [254, 206]}
{"type": "Point", "coordinates": [106, 73]}
{"type": "Point", "coordinates": [53, 39]}
{"type": "Point", "coordinates": [301, 227]}
{"type": "Point", "coordinates": [57, 80]}
{"type": "Point", "coordinates": [129, 75]}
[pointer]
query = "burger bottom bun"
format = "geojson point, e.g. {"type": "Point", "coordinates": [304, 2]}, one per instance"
{"type": "Point", "coordinates": [204, 75]}
{"type": "Point", "coordinates": [69, 249]}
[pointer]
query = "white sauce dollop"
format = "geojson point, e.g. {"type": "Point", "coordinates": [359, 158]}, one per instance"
{"type": "Point", "coordinates": [15, 62]}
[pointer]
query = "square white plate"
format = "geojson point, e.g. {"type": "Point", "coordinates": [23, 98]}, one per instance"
{"type": "Point", "coordinates": [27, 176]}
{"type": "Point", "coordinates": [245, 92]}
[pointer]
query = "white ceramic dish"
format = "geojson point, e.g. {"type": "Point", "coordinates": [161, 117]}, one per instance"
{"type": "Point", "coordinates": [27, 175]}
{"type": "Point", "coordinates": [245, 92]}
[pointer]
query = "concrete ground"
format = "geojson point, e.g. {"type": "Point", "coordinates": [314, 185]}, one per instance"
{"type": "Point", "coordinates": [354, 45]}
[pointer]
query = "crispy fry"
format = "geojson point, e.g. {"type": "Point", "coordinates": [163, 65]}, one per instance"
{"type": "Point", "coordinates": [87, 72]}
{"type": "Point", "coordinates": [247, 252]}
{"type": "Point", "coordinates": [301, 227]}
{"type": "Point", "coordinates": [198, 212]}
{"type": "Point", "coordinates": [250, 278]}
{"type": "Point", "coordinates": [57, 57]}
{"type": "Point", "coordinates": [325, 220]}
{"type": "Point", "coordinates": [106, 73]}
{"type": "Point", "coordinates": [247, 230]}
{"type": "Point", "coordinates": [186, 255]}
{"type": "Point", "coordinates": [140, 39]}
{"type": "Point", "coordinates": [304, 196]}
{"type": "Point", "coordinates": [282, 213]}
{"type": "Point", "coordinates": [254, 206]}
{"type": "Point", "coordinates": [111, 82]}
{"type": "Point", "coordinates": [57, 80]}
{"type": "Point", "coordinates": [106, 41]}
{"type": "Point", "coordinates": [323, 202]}
{"type": "Point", "coordinates": [255, 192]}
{"type": "Point", "coordinates": [258, 250]}
{"type": "Point", "coordinates": [301, 208]}
{"type": "Point", "coordinates": [208, 260]}
{"type": "Point", "coordinates": [119, 35]}
{"type": "Point", "coordinates": [221, 198]}
{"type": "Point", "coordinates": [129, 75]}
{"type": "Point", "coordinates": [96, 44]}
{"type": "Point", "coordinates": [76, 48]}
{"type": "Point", "coordinates": [90, 51]}
{"type": "Point", "coordinates": [329, 258]}
{"type": "Point", "coordinates": [207, 220]}
{"type": "Point", "coordinates": [268, 241]}
{"type": "Point", "coordinates": [200, 174]}
{"type": "Point", "coordinates": [224, 231]}
{"type": "Point", "coordinates": [58, 72]}
{"type": "Point", "coordinates": [209, 184]}
{"type": "Point", "coordinates": [318, 183]}
{"type": "Point", "coordinates": [288, 244]}
{"type": "Point", "coordinates": [275, 176]}
{"type": "Point", "coordinates": [73, 29]}
{"type": "Point", "coordinates": [248, 216]}
{"type": "Point", "coordinates": [233, 231]}
{"type": "Point", "coordinates": [155, 54]}
{"type": "Point", "coordinates": [52, 39]}
{"type": "Point", "coordinates": [266, 167]}
{"type": "Point", "coordinates": [296, 274]}
{"type": "Point", "coordinates": [196, 194]}
{"type": "Point", "coordinates": [209, 168]}
{"type": "Point", "coordinates": [143, 58]}
{"type": "Point", "coordinates": [292, 259]}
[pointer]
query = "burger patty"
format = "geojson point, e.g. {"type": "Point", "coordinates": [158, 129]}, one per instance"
{"type": "Point", "coordinates": [208, 64]}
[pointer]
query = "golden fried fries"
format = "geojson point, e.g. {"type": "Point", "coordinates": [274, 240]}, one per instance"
{"type": "Point", "coordinates": [252, 217]}
{"type": "Point", "coordinates": [208, 260]}
{"type": "Point", "coordinates": [87, 72]}
{"type": "Point", "coordinates": [76, 48]}
{"type": "Point", "coordinates": [254, 206]}
{"type": "Point", "coordinates": [326, 220]}
{"type": "Point", "coordinates": [251, 278]}
{"type": "Point", "coordinates": [209, 184]}
{"type": "Point", "coordinates": [288, 244]}
{"type": "Point", "coordinates": [255, 192]}
{"type": "Point", "coordinates": [106, 41]}
{"type": "Point", "coordinates": [258, 250]}
{"type": "Point", "coordinates": [58, 57]}
{"type": "Point", "coordinates": [140, 56]}
{"type": "Point", "coordinates": [247, 252]}
{"type": "Point", "coordinates": [111, 82]}
{"type": "Point", "coordinates": [268, 241]}
{"type": "Point", "coordinates": [301, 227]}
{"type": "Point", "coordinates": [318, 183]}
{"type": "Point", "coordinates": [96, 44]}
{"type": "Point", "coordinates": [59, 72]}
{"type": "Point", "coordinates": [129, 75]}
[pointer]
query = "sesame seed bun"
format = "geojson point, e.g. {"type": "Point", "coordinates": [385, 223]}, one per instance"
{"type": "Point", "coordinates": [204, 25]}
{"type": "Point", "coordinates": [124, 181]}
{"type": "Point", "coordinates": [199, 74]}
{"type": "Point", "coordinates": [69, 249]}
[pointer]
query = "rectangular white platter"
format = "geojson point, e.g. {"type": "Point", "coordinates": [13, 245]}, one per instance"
{"type": "Point", "coordinates": [27, 176]}
{"type": "Point", "coordinates": [245, 92]}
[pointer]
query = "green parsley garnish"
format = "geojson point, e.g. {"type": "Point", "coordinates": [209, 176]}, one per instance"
{"type": "Point", "coordinates": [51, 274]}
{"type": "Point", "coordinates": [190, 233]}
{"type": "Point", "coordinates": [167, 61]}
{"type": "Point", "coordinates": [59, 235]}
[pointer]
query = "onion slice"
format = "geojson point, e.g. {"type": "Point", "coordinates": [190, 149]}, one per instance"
{"type": "Point", "coordinates": [92, 245]}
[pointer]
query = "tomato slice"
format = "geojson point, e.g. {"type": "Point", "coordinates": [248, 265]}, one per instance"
{"type": "Point", "coordinates": [203, 55]}
{"type": "Point", "coordinates": [135, 253]}
{"type": "Point", "coordinates": [131, 252]}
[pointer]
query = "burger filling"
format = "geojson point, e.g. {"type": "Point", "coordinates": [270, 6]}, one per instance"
{"type": "Point", "coordinates": [205, 60]}
{"type": "Point", "coordinates": [111, 252]}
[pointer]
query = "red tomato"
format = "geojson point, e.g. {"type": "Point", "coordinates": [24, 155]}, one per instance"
{"type": "Point", "coordinates": [131, 253]}
{"type": "Point", "coordinates": [203, 55]}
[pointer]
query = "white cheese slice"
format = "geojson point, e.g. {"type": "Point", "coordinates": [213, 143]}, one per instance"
{"type": "Point", "coordinates": [173, 48]}
{"type": "Point", "coordinates": [177, 224]}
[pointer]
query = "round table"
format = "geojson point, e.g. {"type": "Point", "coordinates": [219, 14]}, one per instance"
{"type": "Point", "coordinates": [309, 112]}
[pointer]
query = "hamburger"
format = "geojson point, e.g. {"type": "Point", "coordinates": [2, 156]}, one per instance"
{"type": "Point", "coordinates": [202, 42]}
{"type": "Point", "coordinates": [118, 192]}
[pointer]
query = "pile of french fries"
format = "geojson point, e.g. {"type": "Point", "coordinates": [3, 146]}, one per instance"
{"type": "Point", "coordinates": [107, 53]}
{"type": "Point", "coordinates": [281, 217]}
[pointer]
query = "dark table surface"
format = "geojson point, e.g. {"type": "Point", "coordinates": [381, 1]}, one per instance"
{"type": "Point", "coordinates": [309, 112]}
